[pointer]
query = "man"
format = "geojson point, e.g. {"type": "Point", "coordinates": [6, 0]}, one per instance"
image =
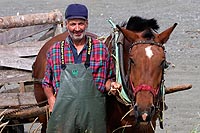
{"type": "Point", "coordinates": [79, 73]}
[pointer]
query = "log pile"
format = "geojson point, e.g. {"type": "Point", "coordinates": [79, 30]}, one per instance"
{"type": "Point", "coordinates": [17, 57]}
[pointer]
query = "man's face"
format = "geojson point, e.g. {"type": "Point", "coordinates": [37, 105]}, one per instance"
{"type": "Point", "coordinates": [77, 28]}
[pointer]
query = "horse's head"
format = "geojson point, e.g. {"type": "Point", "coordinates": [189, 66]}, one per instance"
{"type": "Point", "coordinates": [144, 64]}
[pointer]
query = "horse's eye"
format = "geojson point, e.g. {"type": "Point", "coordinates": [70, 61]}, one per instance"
{"type": "Point", "coordinates": [132, 61]}
{"type": "Point", "coordinates": [164, 64]}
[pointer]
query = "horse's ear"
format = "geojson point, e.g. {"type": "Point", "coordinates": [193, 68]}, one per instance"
{"type": "Point", "coordinates": [164, 36]}
{"type": "Point", "coordinates": [129, 35]}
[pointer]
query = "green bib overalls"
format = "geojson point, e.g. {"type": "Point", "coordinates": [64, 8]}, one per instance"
{"type": "Point", "coordinates": [79, 106]}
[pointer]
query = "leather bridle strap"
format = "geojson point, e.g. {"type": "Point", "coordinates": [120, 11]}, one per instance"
{"type": "Point", "coordinates": [147, 42]}
{"type": "Point", "coordinates": [144, 87]}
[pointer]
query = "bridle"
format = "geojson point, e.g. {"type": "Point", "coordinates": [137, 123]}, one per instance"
{"type": "Point", "coordinates": [119, 40]}
{"type": "Point", "coordinates": [156, 108]}
{"type": "Point", "coordinates": [147, 42]}
{"type": "Point", "coordinates": [129, 84]}
{"type": "Point", "coordinates": [158, 93]}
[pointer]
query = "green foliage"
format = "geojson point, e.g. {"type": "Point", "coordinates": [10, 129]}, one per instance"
{"type": "Point", "coordinates": [196, 129]}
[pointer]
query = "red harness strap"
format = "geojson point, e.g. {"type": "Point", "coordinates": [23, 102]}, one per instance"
{"type": "Point", "coordinates": [144, 87]}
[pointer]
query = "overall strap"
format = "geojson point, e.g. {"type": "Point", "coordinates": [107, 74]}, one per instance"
{"type": "Point", "coordinates": [63, 66]}
{"type": "Point", "coordinates": [87, 62]}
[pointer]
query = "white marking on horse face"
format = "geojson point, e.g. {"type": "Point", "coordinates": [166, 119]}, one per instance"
{"type": "Point", "coordinates": [149, 52]}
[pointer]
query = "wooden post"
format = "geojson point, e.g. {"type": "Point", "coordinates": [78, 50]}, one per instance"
{"type": "Point", "coordinates": [177, 88]}
{"type": "Point", "coordinates": [31, 19]}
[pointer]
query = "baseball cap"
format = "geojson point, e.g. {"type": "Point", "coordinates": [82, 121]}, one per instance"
{"type": "Point", "coordinates": [76, 11]}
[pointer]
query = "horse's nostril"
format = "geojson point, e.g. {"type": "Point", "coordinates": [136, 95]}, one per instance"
{"type": "Point", "coordinates": [144, 116]}
{"type": "Point", "coordinates": [152, 109]}
{"type": "Point", "coordinates": [135, 107]}
{"type": "Point", "coordinates": [136, 111]}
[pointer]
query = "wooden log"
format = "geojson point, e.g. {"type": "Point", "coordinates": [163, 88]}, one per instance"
{"type": "Point", "coordinates": [177, 88]}
{"type": "Point", "coordinates": [49, 33]}
{"type": "Point", "coordinates": [52, 32]}
{"type": "Point", "coordinates": [31, 19]}
{"type": "Point", "coordinates": [21, 49]}
{"type": "Point", "coordinates": [14, 76]}
{"type": "Point", "coordinates": [18, 63]}
{"type": "Point", "coordinates": [11, 55]}
{"type": "Point", "coordinates": [15, 34]}
{"type": "Point", "coordinates": [9, 100]}
{"type": "Point", "coordinates": [26, 113]}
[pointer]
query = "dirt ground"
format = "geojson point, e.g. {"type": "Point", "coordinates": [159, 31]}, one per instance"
{"type": "Point", "coordinates": [183, 47]}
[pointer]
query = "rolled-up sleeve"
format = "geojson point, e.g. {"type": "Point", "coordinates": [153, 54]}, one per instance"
{"type": "Point", "coordinates": [111, 68]}
{"type": "Point", "coordinates": [48, 78]}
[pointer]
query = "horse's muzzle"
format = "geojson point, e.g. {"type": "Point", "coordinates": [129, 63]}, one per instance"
{"type": "Point", "coordinates": [144, 115]}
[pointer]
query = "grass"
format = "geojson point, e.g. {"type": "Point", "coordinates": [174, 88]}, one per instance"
{"type": "Point", "coordinates": [197, 127]}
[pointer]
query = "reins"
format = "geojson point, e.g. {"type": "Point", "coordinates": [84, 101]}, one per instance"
{"type": "Point", "coordinates": [123, 98]}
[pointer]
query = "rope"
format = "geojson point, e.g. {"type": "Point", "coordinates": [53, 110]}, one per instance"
{"type": "Point", "coordinates": [3, 125]}
{"type": "Point", "coordinates": [152, 126]}
{"type": "Point", "coordinates": [126, 114]}
{"type": "Point", "coordinates": [32, 124]}
{"type": "Point", "coordinates": [122, 99]}
{"type": "Point", "coordinates": [122, 127]}
{"type": "Point", "coordinates": [115, 37]}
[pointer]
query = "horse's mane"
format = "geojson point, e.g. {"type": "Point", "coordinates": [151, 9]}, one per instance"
{"type": "Point", "coordinates": [138, 24]}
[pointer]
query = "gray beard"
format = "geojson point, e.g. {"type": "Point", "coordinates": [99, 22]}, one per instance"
{"type": "Point", "coordinates": [79, 38]}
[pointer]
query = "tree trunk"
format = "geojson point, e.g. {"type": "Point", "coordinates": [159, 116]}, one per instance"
{"type": "Point", "coordinates": [31, 19]}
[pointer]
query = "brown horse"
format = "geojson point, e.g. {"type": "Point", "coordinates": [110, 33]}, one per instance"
{"type": "Point", "coordinates": [39, 67]}
{"type": "Point", "coordinates": [143, 64]}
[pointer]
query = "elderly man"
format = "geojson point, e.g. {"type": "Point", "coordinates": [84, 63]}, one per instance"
{"type": "Point", "coordinates": [79, 73]}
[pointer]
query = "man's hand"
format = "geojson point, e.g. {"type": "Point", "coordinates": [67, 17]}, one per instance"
{"type": "Point", "coordinates": [115, 88]}
{"type": "Point", "coordinates": [51, 101]}
{"type": "Point", "coordinates": [50, 97]}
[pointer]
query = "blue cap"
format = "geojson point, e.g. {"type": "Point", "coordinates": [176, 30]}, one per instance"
{"type": "Point", "coordinates": [76, 11]}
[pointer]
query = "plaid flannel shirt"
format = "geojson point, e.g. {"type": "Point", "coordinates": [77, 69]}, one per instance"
{"type": "Point", "coordinates": [101, 64]}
